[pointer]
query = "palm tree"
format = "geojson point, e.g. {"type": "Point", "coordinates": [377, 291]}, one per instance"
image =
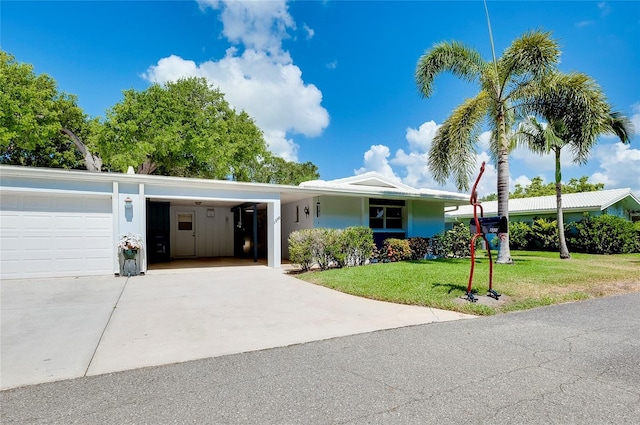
{"type": "Point", "coordinates": [576, 113]}
{"type": "Point", "coordinates": [507, 86]}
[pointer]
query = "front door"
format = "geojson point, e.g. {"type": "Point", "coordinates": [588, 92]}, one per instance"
{"type": "Point", "coordinates": [185, 234]}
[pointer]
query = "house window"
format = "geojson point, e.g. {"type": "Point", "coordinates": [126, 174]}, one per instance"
{"type": "Point", "coordinates": [385, 214]}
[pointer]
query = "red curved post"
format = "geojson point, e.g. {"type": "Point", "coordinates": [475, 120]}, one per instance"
{"type": "Point", "coordinates": [479, 233]}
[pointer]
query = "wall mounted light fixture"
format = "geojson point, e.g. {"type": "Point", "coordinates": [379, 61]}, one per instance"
{"type": "Point", "coordinates": [318, 209]}
{"type": "Point", "coordinates": [128, 203]}
{"type": "Point", "coordinates": [306, 210]}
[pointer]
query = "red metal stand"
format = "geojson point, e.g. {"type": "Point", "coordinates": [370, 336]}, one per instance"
{"type": "Point", "coordinates": [479, 233]}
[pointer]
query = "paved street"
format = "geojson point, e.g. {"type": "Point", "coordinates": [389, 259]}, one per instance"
{"type": "Point", "coordinates": [576, 363]}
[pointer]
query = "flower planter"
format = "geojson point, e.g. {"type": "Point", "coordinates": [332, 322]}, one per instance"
{"type": "Point", "coordinates": [129, 254]}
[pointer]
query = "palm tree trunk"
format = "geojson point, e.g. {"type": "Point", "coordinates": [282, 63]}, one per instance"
{"type": "Point", "coordinates": [504, 252]}
{"type": "Point", "coordinates": [564, 251]}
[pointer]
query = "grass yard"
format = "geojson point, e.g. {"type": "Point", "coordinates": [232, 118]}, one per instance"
{"type": "Point", "coordinates": [535, 279]}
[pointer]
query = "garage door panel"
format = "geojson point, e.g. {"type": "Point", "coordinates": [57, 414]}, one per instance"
{"type": "Point", "coordinates": [61, 236]}
{"type": "Point", "coordinates": [36, 222]}
{"type": "Point", "coordinates": [10, 222]}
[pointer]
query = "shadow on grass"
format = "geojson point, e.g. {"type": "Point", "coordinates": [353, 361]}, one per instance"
{"type": "Point", "coordinates": [453, 287]}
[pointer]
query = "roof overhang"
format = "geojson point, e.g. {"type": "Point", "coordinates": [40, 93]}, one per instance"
{"type": "Point", "coordinates": [286, 193]}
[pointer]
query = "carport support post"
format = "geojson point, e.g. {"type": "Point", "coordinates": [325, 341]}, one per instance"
{"type": "Point", "coordinates": [274, 234]}
{"type": "Point", "coordinates": [255, 233]}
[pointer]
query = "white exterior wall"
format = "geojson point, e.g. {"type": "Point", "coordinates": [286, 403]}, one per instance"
{"type": "Point", "coordinates": [425, 219]}
{"type": "Point", "coordinates": [291, 223]}
{"type": "Point", "coordinates": [337, 212]}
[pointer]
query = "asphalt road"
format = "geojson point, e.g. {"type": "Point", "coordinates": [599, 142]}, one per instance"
{"type": "Point", "coordinates": [576, 363]}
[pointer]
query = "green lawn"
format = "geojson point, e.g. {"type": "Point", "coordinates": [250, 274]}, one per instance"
{"type": "Point", "coordinates": [535, 279]}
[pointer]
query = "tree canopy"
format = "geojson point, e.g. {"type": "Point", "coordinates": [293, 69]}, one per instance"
{"type": "Point", "coordinates": [537, 187]}
{"type": "Point", "coordinates": [182, 128]}
{"type": "Point", "coordinates": [32, 114]}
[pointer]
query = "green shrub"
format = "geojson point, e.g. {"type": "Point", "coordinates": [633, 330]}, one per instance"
{"type": "Point", "coordinates": [396, 249]}
{"type": "Point", "coordinates": [454, 243]}
{"type": "Point", "coordinates": [544, 235]}
{"type": "Point", "coordinates": [300, 248]}
{"type": "Point", "coordinates": [519, 235]}
{"type": "Point", "coordinates": [330, 247]}
{"type": "Point", "coordinates": [325, 247]}
{"type": "Point", "coordinates": [604, 234]}
{"type": "Point", "coordinates": [420, 247]}
{"type": "Point", "coordinates": [355, 246]}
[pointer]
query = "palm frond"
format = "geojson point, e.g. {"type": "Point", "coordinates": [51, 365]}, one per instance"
{"type": "Point", "coordinates": [462, 61]}
{"type": "Point", "coordinates": [533, 54]}
{"type": "Point", "coordinates": [453, 149]}
{"type": "Point", "coordinates": [620, 126]}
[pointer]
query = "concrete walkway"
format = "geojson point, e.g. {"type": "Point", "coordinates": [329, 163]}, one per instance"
{"type": "Point", "coordinates": [56, 329]}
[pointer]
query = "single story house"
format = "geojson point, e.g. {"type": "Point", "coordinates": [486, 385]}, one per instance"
{"type": "Point", "coordinates": [617, 202]}
{"type": "Point", "coordinates": [56, 222]}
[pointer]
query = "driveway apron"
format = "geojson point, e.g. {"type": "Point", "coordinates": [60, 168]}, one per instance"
{"type": "Point", "coordinates": [64, 328]}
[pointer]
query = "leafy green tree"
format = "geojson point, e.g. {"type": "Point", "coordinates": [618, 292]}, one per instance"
{"type": "Point", "coordinates": [581, 185]}
{"type": "Point", "coordinates": [537, 188]}
{"type": "Point", "coordinates": [277, 170]}
{"type": "Point", "coordinates": [506, 88]}
{"type": "Point", "coordinates": [39, 125]}
{"type": "Point", "coordinates": [576, 116]}
{"type": "Point", "coordinates": [183, 128]}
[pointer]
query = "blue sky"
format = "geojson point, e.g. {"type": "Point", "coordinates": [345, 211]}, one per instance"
{"type": "Point", "coordinates": [331, 82]}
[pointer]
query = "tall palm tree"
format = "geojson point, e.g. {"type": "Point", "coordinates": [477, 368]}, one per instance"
{"type": "Point", "coordinates": [576, 113]}
{"type": "Point", "coordinates": [507, 86]}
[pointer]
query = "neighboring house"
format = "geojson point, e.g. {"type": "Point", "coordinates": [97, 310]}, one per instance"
{"type": "Point", "coordinates": [618, 202]}
{"type": "Point", "coordinates": [57, 222]}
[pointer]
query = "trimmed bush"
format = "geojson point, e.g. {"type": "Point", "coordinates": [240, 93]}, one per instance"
{"type": "Point", "coordinates": [330, 247]}
{"type": "Point", "coordinates": [396, 250]}
{"type": "Point", "coordinates": [355, 246]}
{"type": "Point", "coordinates": [300, 248]}
{"type": "Point", "coordinates": [420, 247]}
{"type": "Point", "coordinates": [604, 234]}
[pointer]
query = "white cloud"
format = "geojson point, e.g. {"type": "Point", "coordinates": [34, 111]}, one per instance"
{"type": "Point", "coordinates": [262, 80]}
{"type": "Point", "coordinates": [582, 24]}
{"type": "Point", "coordinates": [376, 159]}
{"type": "Point", "coordinates": [258, 25]}
{"type": "Point", "coordinates": [604, 7]}
{"type": "Point", "coordinates": [523, 181]}
{"type": "Point", "coordinates": [619, 165]}
{"type": "Point", "coordinates": [422, 137]}
{"type": "Point", "coordinates": [332, 65]}
{"type": "Point", "coordinates": [635, 118]}
{"type": "Point", "coordinates": [309, 31]}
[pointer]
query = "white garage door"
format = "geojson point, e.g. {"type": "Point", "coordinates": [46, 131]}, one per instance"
{"type": "Point", "coordinates": [55, 235]}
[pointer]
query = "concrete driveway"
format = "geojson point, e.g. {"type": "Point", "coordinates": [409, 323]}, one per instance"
{"type": "Point", "coordinates": [55, 329]}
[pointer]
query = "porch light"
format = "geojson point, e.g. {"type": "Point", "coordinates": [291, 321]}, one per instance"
{"type": "Point", "coordinates": [306, 210]}
{"type": "Point", "coordinates": [128, 203]}
{"type": "Point", "coordinates": [318, 209]}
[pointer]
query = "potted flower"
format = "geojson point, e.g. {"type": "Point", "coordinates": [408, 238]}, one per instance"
{"type": "Point", "coordinates": [130, 243]}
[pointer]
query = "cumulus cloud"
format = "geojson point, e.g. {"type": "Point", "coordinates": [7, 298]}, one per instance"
{"type": "Point", "coordinates": [262, 79]}
{"type": "Point", "coordinates": [422, 137]}
{"type": "Point", "coordinates": [619, 165]}
{"type": "Point", "coordinates": [376, 159]}
{"type": "Point", "coordinates": [258, 25]}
